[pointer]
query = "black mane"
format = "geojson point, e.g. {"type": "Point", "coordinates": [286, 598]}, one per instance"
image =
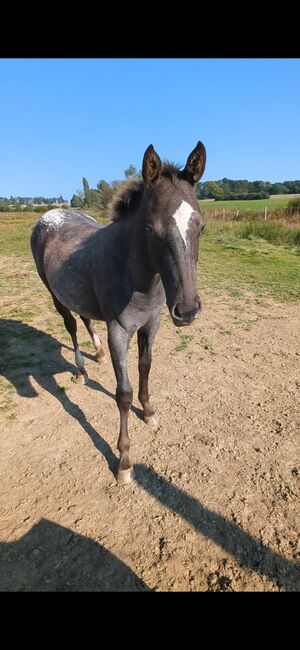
{"type": "Point", "coordinates": [129, 192]}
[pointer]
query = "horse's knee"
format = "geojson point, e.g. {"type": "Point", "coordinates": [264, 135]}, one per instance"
{"type": "Point", "coordinates": [124, 398]}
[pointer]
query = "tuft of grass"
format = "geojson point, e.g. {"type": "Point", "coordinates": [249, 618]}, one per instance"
{"type": "Point", "coordinates": [50, 325]}
{"type": "Point", "coordinates": [185, 339]}
{"type": "Point", "coordinates": [12, 416]}
{"type": "Point", "coordinates": [208, 346]}
{"type": "Point", "coordinates": [6, 391]}
{"type": "Point", "coordinates": [25, 315]}
{"type": "Point", "coordinates": [225, 332]}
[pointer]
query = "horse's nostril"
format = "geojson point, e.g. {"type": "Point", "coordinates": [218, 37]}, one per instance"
{"type": "Point", "coordinates": [176, 312]}
{"type": "Point", "coordinates": [183, 315]}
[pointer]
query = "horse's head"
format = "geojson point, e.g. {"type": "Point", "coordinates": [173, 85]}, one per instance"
{"type": "Point", "coordinates": [173, 224]}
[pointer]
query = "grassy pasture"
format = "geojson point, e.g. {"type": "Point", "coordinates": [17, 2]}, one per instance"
{"type": "Point", "coordinates": [235, 256]}
{"type": "Point", "coordinates": [278, 201]}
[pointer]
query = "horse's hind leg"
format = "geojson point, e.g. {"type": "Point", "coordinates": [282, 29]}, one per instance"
{"type": "Point", "coordinates": [100, 354]}
{"type": "Point", "coordinates": [71, 327]}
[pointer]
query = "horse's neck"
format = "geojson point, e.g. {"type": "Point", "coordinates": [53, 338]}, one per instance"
{"type": "Point", "coordinates": [141, 268]}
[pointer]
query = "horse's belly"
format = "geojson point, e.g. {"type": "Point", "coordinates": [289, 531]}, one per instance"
{"type": "Point", "coordinates": [79, 304]}
{"type": "Point", "coordinates": [75, 292]}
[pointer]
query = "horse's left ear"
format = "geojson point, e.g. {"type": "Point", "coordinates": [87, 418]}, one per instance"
{"type": "Point", "coordinates": [151, 166]}
{"type": "Point", "coordinates": [195, 164]}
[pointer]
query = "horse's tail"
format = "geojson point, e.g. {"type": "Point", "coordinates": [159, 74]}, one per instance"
{"type": "Point", "coordinates": [37, 248]}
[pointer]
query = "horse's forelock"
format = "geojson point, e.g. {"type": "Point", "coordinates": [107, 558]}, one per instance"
{"type": "Point", "coordinates": [129, 191]}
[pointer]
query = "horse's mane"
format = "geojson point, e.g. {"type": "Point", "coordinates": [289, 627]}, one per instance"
{"type": "Point", "coordinates": [128, 193]}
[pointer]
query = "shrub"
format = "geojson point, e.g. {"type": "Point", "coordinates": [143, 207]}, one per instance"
{"type": "Point", "coordinates": [294, 205]}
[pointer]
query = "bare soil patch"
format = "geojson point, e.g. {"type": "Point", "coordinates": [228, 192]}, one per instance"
{"type": "Point", "coordinates": [215, 503]}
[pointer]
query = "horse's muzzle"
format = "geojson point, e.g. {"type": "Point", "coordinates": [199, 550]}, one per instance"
{"type": "Point", "coordinates": [183, 317]}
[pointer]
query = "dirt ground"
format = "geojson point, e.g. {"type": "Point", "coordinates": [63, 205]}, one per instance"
{"type": "Point", "coordinates": [215, 502]}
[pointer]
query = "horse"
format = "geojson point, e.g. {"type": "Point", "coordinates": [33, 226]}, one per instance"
{"type": "Point", "coordinates": [123, 273]}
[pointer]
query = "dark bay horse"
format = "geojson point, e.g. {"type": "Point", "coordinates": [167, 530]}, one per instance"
{"type": "Point", "coordinates": [125, 272]}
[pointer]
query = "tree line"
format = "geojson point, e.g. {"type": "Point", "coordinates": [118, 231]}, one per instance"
{"type": "Point", "coordinates": [227, 189]}
{"type": "Point", "coordinates": [15, 202]}
{"type": "Point", "coordinates": [224, 189]}
{"type": "Point", "coordinates": [100, 196]}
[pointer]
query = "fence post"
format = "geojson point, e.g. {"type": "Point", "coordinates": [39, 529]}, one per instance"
{"type": "Point", "coordinates": [266, 213]}
{"type": "Point", "coordinates": [237, 213]}
{"type": "Point", "coordinates": [223, 212]}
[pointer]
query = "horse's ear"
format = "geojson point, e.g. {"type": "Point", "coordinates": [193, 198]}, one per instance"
{"type": "Point", "coordinates": [151, 166]}
{"type": "Point", "coordinates": [195, 164]}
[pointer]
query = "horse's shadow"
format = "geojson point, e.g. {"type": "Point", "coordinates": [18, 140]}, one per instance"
{"type": "Point", "coordinates": [28, 352]}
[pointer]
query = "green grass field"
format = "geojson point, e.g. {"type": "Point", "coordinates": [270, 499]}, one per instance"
{"type": "Point", "coordinates": [277, 201]}
{"type": "Point", "coordinates": [235, 256]}
{"type": "Point", "coordinates": [233, 260]}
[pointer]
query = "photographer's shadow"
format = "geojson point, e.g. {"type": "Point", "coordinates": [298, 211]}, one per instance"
{"type": "Point", "coordinates": [51, 557]}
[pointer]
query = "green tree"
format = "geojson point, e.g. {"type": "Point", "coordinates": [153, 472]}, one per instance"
{"type": "Point", "coordinates": [88, 197]}
{"type": "Point", "coordinates": [105, 192]}
{"type": "Point", "coordinates": [278, 188]}
{"type": "Point", "coordinates": [294, 206]}
{"type": "Point", "coordinates": [214, 190]}
{"type": "Point", "coordinates": [76, 201]}
{"type": "Point", "coordinates": [131, 172]}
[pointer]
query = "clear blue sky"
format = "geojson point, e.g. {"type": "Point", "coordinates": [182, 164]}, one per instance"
{"type": "Point", "coordinates": [62, 119]}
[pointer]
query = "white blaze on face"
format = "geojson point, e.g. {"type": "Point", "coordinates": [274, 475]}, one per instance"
{"type": "Point", "coordinates": [182, 217]}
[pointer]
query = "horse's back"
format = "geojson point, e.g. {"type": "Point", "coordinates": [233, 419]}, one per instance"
{"type": "Point", "coordinates": [57, 222]}
{"type": "Point", "coordinates": [61, 216]}
{"type": "Point", "coordinates": [62, 230]}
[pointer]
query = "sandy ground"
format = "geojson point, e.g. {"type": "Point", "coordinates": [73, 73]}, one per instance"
{"type": "Point", "coordinates": [215, 503]}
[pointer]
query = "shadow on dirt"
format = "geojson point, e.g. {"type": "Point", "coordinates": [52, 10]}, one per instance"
{"type": "Point", "coordinates": [53, 558]}
{"type": "Point", "coordinates": [21, 348]}
{"type": "Point", "coordinates": [248, 552]}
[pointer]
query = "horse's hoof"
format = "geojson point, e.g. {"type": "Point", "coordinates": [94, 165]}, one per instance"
{"type": "Point", "coordinates": [125, 476]}
{"type": "Point", "coordinates": [152, 421]}
{"type": "Point", "coordinates": [100, 357]}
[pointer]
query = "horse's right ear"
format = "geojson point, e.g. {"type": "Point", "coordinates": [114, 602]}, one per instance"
{"type": "Point", "coordinates": [151, 167]}
{"type": "Point", "coordinates": [195, 164]}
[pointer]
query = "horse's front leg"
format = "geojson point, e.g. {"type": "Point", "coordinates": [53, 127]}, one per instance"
{"type": "Point", "coordinates": [145, 340]}
{"type": "Point", "coordinates": [118, 341]}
